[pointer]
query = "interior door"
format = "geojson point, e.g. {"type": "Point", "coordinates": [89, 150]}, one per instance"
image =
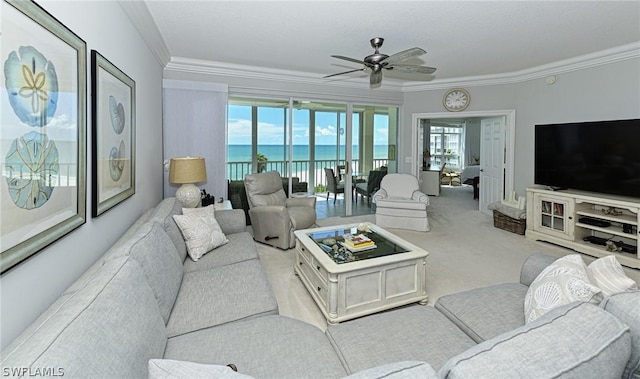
{"type": "Point", "coordinates": [492, 162]}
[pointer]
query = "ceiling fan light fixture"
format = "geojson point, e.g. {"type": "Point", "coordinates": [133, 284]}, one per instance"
{"type": "Point", "coordinates": [377, 61]}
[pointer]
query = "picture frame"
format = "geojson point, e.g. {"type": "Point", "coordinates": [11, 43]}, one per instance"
{"type": "Point", "coordinates": [42, 131]}
{"type": "Point", "coordinates": [114, 134]}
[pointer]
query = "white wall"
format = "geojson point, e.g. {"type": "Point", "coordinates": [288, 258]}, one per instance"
{"type": "Point", "coordinates": [193, 115]}
{"type": "Point", "coordinates": [610, 92]}
{"type": "Point", "coordinates": [606, 92]}
{"type": "Point", "coordinates": [29, 288]}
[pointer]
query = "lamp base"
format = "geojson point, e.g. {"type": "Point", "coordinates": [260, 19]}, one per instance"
{"type": "Point", "coordinates": [188, 195]}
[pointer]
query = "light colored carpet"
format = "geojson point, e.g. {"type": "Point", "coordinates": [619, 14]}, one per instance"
{"type": "Point", "coordinates": [465, 251]}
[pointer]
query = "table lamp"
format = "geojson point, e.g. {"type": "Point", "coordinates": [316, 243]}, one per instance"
{"type": "Point", "coordinates": [187, 171]}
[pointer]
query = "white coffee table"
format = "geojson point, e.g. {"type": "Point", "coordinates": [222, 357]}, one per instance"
{"type": "Point", "coordinates": [389, 276]}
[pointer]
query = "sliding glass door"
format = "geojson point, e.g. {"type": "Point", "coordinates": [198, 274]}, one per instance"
{"type": "Point", "coordinates": [301, 138]}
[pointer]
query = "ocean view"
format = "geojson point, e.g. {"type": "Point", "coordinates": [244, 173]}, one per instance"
{"type": "Point", "coordinates": [276, 155]}
{"type": "Point", "coordinates": [242, 153]}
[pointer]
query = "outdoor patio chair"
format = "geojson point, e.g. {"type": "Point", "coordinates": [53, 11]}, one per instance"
{"type": "Point", "coordinates": [333, 186]}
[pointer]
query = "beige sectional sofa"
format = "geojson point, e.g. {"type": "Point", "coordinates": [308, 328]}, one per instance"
{"type": "Point", "coordinates": [147, 310]}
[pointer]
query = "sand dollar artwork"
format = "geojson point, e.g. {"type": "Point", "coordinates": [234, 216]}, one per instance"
{"type": "Point", "coordinates": [116, 111]}
{"type": "Point", "coordinates": [32, 86]}
{"type": "Point", "coordinates": [32, 166]}
{"type": "Point", "coordinates": [116, 162]}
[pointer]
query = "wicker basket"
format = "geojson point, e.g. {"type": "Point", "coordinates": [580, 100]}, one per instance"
{"type": "Point", "coordinates": [504, 222]}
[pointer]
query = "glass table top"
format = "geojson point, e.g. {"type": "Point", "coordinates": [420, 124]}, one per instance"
{"type": "Point", "coordinates": [333, 243]}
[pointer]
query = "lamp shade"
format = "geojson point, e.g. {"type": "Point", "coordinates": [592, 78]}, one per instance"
{"type": "Point", "coordinates": [187, 170]}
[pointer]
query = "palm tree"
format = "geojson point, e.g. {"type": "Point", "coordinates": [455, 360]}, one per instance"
{"type": "Point", "coordinates": [262, 162]}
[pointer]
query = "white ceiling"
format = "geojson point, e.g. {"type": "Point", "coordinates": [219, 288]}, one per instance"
{"type": "Point", "coordinates": [462, 38]}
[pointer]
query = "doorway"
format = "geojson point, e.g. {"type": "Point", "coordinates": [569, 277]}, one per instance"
{"type": "Point", "coordinates": [496, 159]}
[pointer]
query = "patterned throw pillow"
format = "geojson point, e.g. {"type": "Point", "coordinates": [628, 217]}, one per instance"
{"type": "Point", "coordinates": [562, 282]}
{"type": "Point", "coordinates": [609, 276]}
{"type": "Point", "coordinates": [200, 230]}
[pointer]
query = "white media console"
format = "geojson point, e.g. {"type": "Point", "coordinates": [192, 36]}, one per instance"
{"type": "Point", "coordinates": [585, 221]}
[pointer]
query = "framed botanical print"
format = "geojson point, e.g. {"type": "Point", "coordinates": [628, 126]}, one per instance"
{"type": "Point", "coordinates": [114, 134]}
{"type": "Point", "coordinates": [42, 131]}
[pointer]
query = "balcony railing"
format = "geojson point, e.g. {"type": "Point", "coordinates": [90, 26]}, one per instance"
{"type": "Point", "coordinates": [65, 175]}
{"type": "Point", "coordinates": [306, 171]}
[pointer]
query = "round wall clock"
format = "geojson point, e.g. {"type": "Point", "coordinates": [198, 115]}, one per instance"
{"type": "Point", "coordinates": [456, 100]}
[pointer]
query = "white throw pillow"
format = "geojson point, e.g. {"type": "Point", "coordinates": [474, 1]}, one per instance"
{"type": "Point", "coordinates": [200, 230]}
{"type": "Point", "coordinates": [168, 368]}
{"type": "Point", "coordinates": [562, 282]}
{"type": "Point", "coordinates": [609, 276]}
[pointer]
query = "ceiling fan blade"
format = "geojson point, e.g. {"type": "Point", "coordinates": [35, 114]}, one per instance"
{"type": "Point", "coordinates": [348, 59]}
{"type": "Point", "coordinates": [404, 55]}
{"type": "Point", "coordinates": [342, 73]}
{"type": "Point", "coordinates": [412, 69]}
{"type": "Point", "coordinates": [376, 77]}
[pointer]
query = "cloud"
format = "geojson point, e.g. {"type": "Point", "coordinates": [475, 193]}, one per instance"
{"type": "Point", "coordinates": [328, 131]}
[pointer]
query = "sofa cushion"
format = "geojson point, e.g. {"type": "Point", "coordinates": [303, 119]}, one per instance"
{"type": "Point", "coordinates": [399, 203]}
{"type": "Point", "coordinates": [155, 252]}
{"type": "Point", "coordinates": [562, 282]}
{"type": "Point", "coordinates": [172, 369]}
{"type": "Point", "coordinates": [264, 347]}
{"type": "Point", "coordinates": [414, 332]}
{"type": "Point", "coordinates": [131, 231]}
{"type": "Point", "coordinates": [533, 266]}
{"type": "Point", "coordinates": [231, 221]}
{"type": "Point", "coordinates": [110, 327]}
{"type": "Point", "coordinates": [608, 275]}
{"type": "Point", "coordinates": [241, 247]}
{"type": "Point", "coordinates": [483, 313]}
{"type": "Point", "coordinates": [626, 307]}
{"type": "Point", "coordinates": [219, 295]}
{"type": "Point", "coordinates": [578, 340]}
{"type": "Point", "coordinates": [163, 214]}
{"type": "Point", "coordinates": [397, 370]}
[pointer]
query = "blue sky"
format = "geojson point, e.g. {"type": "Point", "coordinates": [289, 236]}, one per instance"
{"type": "Point", "coordinates": [271, 121]}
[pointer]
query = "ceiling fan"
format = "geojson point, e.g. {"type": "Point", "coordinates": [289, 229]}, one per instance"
{"type": "Point", "coordinates": [376, 62]}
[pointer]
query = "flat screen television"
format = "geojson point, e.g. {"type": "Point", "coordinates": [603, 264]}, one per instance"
{"type": "Point", "coordinates": [601, 156]}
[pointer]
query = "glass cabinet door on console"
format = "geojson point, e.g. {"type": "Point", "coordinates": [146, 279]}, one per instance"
{"type": "Point", "coordinates": [553, 215]}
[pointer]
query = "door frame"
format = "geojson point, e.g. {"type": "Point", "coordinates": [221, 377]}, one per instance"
{"type": "Point", "coordinates": [509, 153]}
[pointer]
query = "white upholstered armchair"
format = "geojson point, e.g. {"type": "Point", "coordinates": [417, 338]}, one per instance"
{"type": "Point", "coordinates": [274, 218]}
{"type": "Point", "coordinates": [400, 204]}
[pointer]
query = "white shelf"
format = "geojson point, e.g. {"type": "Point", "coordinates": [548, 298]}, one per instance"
{"type": "Point", "coordinates": [623, 219]}
{"type": "Point", "coordinates": [576, 205]}
{"type": "Point", "coordinates": [614, 230]}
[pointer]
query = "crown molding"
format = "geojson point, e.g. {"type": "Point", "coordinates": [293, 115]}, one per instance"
{"type": "Point", "coordinates": [616, 54]}
{"type": "Point", "coordinates": [142, 20]}
{"type": "Point", "coordinates": [599, 58]}
{"type": "Point", "coordinates": [197, 66]}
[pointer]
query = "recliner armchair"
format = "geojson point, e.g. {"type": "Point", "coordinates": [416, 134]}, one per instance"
{"type": "Point", "coordinates": [274, 217]}
{"type": "Point", "coordinates": [400, 204]}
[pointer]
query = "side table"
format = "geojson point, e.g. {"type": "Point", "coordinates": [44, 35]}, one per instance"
{"type": "Point", "coordinates": [225, 205]}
